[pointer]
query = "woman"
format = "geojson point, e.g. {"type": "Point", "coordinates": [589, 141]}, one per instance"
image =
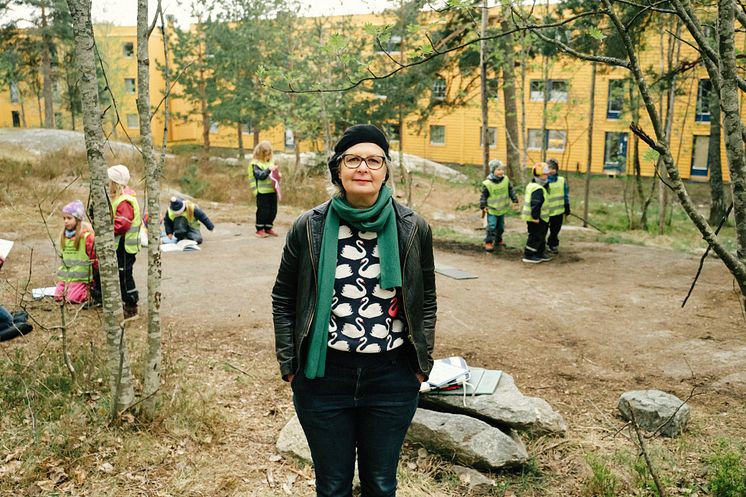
{"type": "Point", "coordinates": [354, 313]}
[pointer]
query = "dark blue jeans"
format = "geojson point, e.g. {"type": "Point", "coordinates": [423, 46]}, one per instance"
{"type": "Point", "coordinates": [495, 228]}
{"type": "Point", "coordinates": [364, 403]}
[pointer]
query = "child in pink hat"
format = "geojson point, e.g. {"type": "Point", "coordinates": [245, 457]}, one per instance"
{"type": "Point", "coordinates": [78, 256]}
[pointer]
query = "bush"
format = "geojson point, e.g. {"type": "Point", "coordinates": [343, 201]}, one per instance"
{"type": "Point", "coordinates": [727, 472]}
{"type": "Point", "coordinates": [603, 482]}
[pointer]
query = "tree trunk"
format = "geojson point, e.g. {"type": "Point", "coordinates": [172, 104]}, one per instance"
{"type": "Point", "coordinates": [203, 105]}
{"type": "Point", "coordinates": [23, 108]}
{"type": "Point", "coordinates": [240, 140]}
{"type": "Point", "coordinates": [483, 91]}
{"type": "Point", "coordinates": [524, 130]}
{"type": "Point", "coordinates": [544, 105]}
{"type": "Point", "coordinates": [734, 145]}
{"type": "Point", "coordinates": [256, 136]}
{"type": "Point", "coordinates": [120, 374]}
{"type": "Point", "coordinates": [296, 142]}
{"type": "Point", "coordinates": [591, 108]}
{"type": "Point", "coordinates": [717, 192]}
{"type": "Point", "coordinates": [152, 376]}
{"type": "Point", "coordinates": [512, 152]}
{"type": "Point", "coordinates": [46, 71]}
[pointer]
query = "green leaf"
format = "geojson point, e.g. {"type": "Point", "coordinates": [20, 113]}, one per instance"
{"type": "Point", "coordinates": [650, 155]}
{"type": "Point", "coordinates": [596, 33]}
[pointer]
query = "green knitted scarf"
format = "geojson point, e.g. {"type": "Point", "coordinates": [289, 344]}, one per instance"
{"type": "Point", "coordinates": [381, 218]}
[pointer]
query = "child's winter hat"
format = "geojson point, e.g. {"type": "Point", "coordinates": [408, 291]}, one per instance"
{"type": "Point", "coordinates": [177, 205]}
{"type": "Point", "coordinates": [74, 209]}
{"type": "Point", "coordinates": [541, 168]}
{"type": "Point", "coordinates": [119, 174]}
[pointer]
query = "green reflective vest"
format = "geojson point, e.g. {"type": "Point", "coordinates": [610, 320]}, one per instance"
{"type": "Point", "coordinates": [132, 237]}
{"type": "Point", "coordinates": [526, 212]}
{"type": "Point", "coordinates": [498, 203]}
{"type": "Point", "coordinates": [193, 221]}
{"type": "Point", "coordinates": [556, 197]}
{"type": "Point", "coordinates": [260, 185]}
{"type": "Point", "coordinates": [76, 265]}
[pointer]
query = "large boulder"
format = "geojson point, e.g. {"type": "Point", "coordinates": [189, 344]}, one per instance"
{"type": "Point", "coordinates": [506, 407]}
{"type": "Point", "coordinates": [655, 411]}
{"type": "Point", "coordinates": [466, 440]}
{"type": "Point", "coordinates": [292, 441]}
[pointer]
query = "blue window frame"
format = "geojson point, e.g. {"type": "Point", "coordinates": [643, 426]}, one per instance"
{"type": "Point", "coordinates": [616, 99]}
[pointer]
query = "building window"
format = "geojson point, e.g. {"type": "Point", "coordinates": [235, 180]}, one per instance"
{"type": "Point", "coordinates": [16, 117]}
{"type": "Point", "coordinates": [491, 133]}
{"type": "Point", "coordinates": [493, 88]}
{"type": "Point", "coordinates": [615, 152]}
{"type": "Point", "coordinates": [391, 46]}
{"type": "Point", "coordinates": [439, 89]}
{"type": "Point", "coordinates": [552, 139]}
{"type": "Point", "coordinates": [704, 90]}
{"type": "Point", "coordinates": [289, 139]}
{"type": "Point", "coordinates": [128, 49]}
{"type": "Point", "coordinates": [700, 161]}
{"type": "Point", "coordinates": [129, 85]}
{"type": "Point", "coordinates": [437, 134]}
{"type": "Point", "coordinates": [616, 99]}
{"type": "Point", "coordinates": [557, 90]}
{"type": "Point", "coordinates": [133, 121]}
{"type": "Point", "coordinates": [214, 127]}
{"type": "Point", "coordinates": [13, 93]}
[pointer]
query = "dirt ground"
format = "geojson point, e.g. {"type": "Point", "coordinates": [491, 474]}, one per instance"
{"type": "Point", "coordinates": [593, 323]}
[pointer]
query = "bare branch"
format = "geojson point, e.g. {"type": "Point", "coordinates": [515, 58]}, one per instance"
{"type": "Point", "coordinates": [704, 256]}
{"type": "Point", "coordinates": [354, 84]}
{"type": "Point", "coordinates": [612, 61]}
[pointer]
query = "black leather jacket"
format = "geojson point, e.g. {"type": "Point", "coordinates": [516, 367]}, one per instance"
{"type": "Point", "coordinates": [294, 293]}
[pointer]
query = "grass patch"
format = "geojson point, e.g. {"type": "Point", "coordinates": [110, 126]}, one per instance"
{"type": "Point", "coordinates": [727, 471]}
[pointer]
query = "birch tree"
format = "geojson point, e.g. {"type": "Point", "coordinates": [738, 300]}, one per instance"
{"type": "Point", "coordinates": [120, 374]}
{"type": "Point", "coordinates": [152, 376]}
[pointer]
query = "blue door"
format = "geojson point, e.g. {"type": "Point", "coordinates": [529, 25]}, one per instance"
{"type": "Point", "coordinates": [615, 153]}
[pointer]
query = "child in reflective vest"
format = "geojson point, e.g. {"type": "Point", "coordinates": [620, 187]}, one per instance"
{"type": "Point", "coordinates": [78, 256]}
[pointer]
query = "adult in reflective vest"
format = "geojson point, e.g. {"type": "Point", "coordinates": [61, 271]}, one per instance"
{"type": "Point", "coordinates": [559, 204]}
{"type": "Point", "coordinates": [497, 193]}
{"type": "Point", "coordinates": [261, 171]}
{"type": "Point", "coordinates": [536, 215]}
{"type": "Point", "coordinates": [127, 221]}
{"type": "Point", "coordinates": [183, 219]}
{"type": "Point", "coordinates": [75, 273]}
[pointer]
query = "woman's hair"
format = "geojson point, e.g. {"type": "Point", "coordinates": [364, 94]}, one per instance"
{"type": "Point", "coordinates": [263, 151]}
{"type": "Point", "coordinates": [76, 238]}
{"type": "Point", "coordinates": [189, 208]}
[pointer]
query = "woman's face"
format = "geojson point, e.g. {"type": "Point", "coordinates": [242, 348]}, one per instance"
{"type": "Point", "coordinates": [362, 184]}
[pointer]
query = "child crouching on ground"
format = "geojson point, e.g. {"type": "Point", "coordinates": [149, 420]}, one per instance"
{"type": "Point", "coordinates": [78, 256]}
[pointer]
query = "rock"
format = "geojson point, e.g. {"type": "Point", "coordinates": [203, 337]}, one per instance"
{"type": "Point", "coordinates": [292, 441]}
{"type": "Point", "coordinates": [426, 166]}
{"type": "Point", "coordinates": [476, 482]}
{"type": "Point", "coordinates": [653, 408]}
{"type": "Point", "coordinates": [466, 440]}
{"type": "Point", "coordinates": [506, 407]}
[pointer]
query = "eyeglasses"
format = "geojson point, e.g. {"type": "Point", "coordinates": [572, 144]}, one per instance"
{"type": "Point", "coordinates": [373, 162]}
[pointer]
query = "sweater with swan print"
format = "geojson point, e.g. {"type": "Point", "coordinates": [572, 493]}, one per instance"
{"type": "Point", "coordinates": [365, 317]}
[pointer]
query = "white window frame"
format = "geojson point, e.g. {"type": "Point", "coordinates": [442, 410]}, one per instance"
{"type": "Point", "coordinates": [130, 89]}
{"type": "Point", "coordinates": [133, 121]}
{"type": "Point", "coordinates": [439, 89]}
{"type": "Point", "coordinates": [493, 136]}
{"type": "Point", "coordinates": [536, 90]}
{"type": "Point", "coordinates": [432, 128]}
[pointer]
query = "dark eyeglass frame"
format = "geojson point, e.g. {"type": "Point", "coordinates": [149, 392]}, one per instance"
{"type": "Point", "coordinates": [343, 160]}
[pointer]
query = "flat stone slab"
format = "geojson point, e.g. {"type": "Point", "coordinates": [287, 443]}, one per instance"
{"type": "Point", "coordinates": [655, 411]}
{"type": "Point", "coordinates": [506, 407]}
{"type": "Point", "coordinates": [466, 440]}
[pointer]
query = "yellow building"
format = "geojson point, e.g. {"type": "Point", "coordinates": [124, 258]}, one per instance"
{"type": "Point", "coordinates": [451, 136]}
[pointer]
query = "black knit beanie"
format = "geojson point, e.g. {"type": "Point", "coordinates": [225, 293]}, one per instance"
{"type": "Point", "coordinates": [359, 133]}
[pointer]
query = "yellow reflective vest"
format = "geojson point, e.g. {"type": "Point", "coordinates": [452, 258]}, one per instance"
{"type": "Point", "coordinates": [132, 237]}
{"type": "Point", "coordinates": [76, 265]}
{"type": "Point", "coordinates": [526, 212]}
{"type": "Point", "coordinates": [260, 185]}
{"type": "Point", "coordinates": [556, 198]}
{"type": "Point", "coordinates": [498, 203]}
{"type": "Point", "coordinates": [188, 214]}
